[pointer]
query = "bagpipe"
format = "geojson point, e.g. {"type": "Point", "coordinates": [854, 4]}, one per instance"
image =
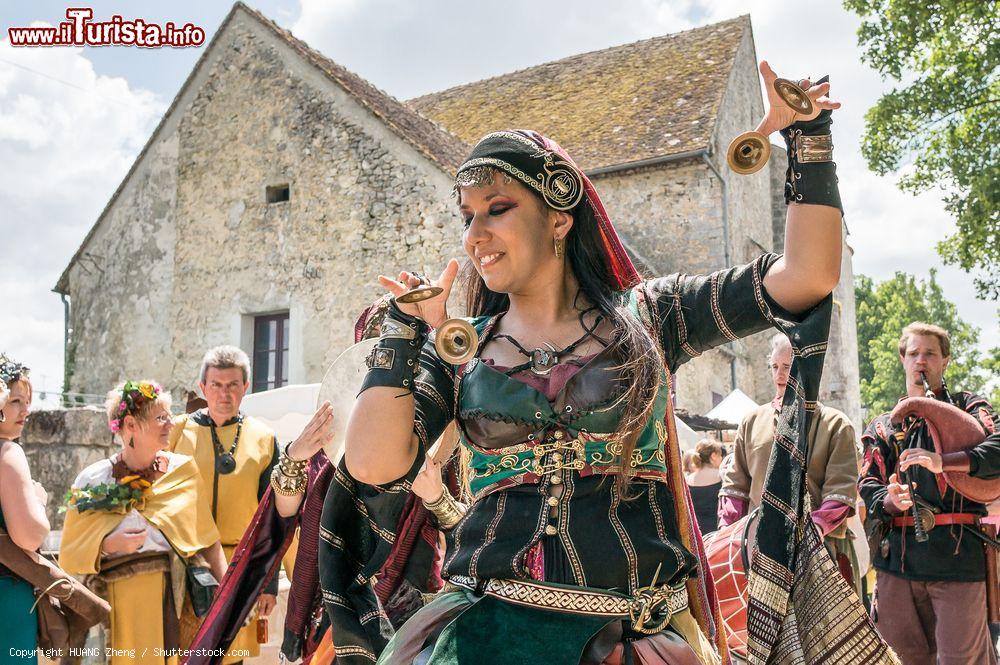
{"type": "Point", "coordinates": [951, 430]}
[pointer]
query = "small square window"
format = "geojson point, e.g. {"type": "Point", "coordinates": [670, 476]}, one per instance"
{"type": "Point", "coordinates": [276, 193]}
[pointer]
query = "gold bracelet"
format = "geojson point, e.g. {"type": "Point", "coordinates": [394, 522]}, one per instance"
{"type": "Point", "coordinates": [289, 466]}
{"type": "Point", "coordinates": [287, 485]}
{"type": "Point", "coordinates": [447, 510]}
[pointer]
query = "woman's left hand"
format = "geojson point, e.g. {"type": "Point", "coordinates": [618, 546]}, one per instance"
{"type": "Point", "coordinates": [428, 484]}
{"type": "Point", "coordinates": [316, 434]}
{"type": "Point", "coordinates": [779, 114]}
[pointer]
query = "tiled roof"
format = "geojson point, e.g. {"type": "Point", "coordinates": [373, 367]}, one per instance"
{"type": "Point", "coordinates": [648, 99]}
{"type": "Point", "coordinates": [430, 139]}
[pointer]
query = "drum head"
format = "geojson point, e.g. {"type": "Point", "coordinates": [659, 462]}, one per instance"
{"type": "Point", "coordinates": [340, 387]}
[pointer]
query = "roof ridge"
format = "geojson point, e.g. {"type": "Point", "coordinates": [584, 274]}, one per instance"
{"type": "Point", "coordinates": [454, 148]}
{"type": "Point", "coordinates": [565, 59]}
{"type": "Point", "coordinates": [61, 284]}
{"type": "Point", "coordinates": [339, 72]}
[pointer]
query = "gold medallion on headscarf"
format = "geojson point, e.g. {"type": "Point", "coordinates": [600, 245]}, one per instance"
{"type": "Point", "coordinates": [562, 186]}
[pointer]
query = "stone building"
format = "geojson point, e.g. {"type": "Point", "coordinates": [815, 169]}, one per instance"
{"type": "Point", "coordinates": [278, 185]}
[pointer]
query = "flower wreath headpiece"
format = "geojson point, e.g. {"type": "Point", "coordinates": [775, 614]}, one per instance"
{"type": "Point", "coordinates": [135, 395]}
{"type": "Point", "coordinates": [11, 371]}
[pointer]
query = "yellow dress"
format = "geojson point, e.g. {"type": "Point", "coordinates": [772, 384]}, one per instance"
{"type": "Point", "coordinates": [235, 493]}
{"type": "Point", "coordinates": [174, 505]}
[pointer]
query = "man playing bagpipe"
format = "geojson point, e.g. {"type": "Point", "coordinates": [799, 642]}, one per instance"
{"type": "Point", "coordinates": [930, 466]}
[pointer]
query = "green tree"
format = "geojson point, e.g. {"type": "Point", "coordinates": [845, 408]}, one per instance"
{"type": "Point", "coordinates": [992, 366]}
{"type": "Point", "coordinates": [883, 310]}
{"type": "Point", "coordinates": [944, 116]}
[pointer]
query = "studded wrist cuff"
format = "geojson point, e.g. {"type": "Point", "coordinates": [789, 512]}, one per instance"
{"type": "Point", "coordinates": [812, 174]}
{"type": "Point", "coordinates": [393, 362]}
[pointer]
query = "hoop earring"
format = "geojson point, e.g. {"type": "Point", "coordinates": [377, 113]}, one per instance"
{"type": "Point", "coordinates": [560, 246]}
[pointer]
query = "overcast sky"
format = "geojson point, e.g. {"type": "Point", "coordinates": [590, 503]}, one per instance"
{"type": "Point", "coordinates": [72, 120]}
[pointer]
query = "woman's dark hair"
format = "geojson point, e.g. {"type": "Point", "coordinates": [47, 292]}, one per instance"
{"type": "Point", "coordinates": [641, 360]}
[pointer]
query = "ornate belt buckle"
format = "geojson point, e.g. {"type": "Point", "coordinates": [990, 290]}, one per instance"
{"type": "Point", "coordinates": [645, 607]}
{"type": "Point", "coordinates": [926, 518]}
{"type": "Point", "coordinates": [648, 602]}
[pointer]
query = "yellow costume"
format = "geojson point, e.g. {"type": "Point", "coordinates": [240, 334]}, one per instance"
{"type": "Point", "coordinates": [233, 496]}
{"type": "Point", "coordinates": [174, 505]}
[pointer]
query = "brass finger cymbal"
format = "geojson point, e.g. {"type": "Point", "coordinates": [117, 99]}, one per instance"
{"type": "Point", "coordinates": [794, 96]}
{"type": "Point", "coordinates": [748, 153]}
{"type": "Point", "coordinates": [456, 341]}
{"type": "Point", "coordinates": [422, 292]}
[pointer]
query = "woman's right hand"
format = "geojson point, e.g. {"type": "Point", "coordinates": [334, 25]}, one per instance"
{"type": "Point", "coordinates": [317, 433]}
{"type": "Point", "coordinates": [123, 542]}
{"type": "Point", "coordinates": [433, 311]}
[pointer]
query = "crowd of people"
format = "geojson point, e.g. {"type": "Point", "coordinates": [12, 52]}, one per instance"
{"type": "Point", "coordinates": [152, 526]}
{"type": "Point", "coordinates": [929, 597]}
{"type": "Point", "coordinates": [529, 502]}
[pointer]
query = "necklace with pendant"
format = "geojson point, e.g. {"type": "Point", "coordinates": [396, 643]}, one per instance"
{"type": "Point", "coordinates": [225, 461]}
{"type": "Point", "coordinates": [542, 360]}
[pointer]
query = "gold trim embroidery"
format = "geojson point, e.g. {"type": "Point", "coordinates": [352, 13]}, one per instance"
{"type": "Point", "coordinates": [720, 320]}
{"type": "Point", "coordinates": [568, 545]}
{"type": "Point", "coordinates": [490, 534]}
{"type": "Point", "coordinates": [623, 539]}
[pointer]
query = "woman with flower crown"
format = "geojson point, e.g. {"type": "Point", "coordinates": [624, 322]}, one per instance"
{"type": "Point", "coordinates": [134, 521]}
{"type": "Point", "coordinates": [22, 514]}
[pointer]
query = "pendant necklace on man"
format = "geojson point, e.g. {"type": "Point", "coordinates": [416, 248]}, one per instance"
{"type": "Point", "coordinates": [225, 462]}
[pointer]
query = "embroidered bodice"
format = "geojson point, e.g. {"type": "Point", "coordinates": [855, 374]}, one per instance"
{"type": "Point", "coordinates": [543, 471]}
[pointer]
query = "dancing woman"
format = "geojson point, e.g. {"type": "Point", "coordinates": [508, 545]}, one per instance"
{"type": "Point", "coordinates": [578, 544]}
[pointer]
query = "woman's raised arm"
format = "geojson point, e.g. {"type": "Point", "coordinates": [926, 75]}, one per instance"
{"type": "Point", "coordinates": [393, 416]}
{"type": "Point", "coordinates": [810, 267]}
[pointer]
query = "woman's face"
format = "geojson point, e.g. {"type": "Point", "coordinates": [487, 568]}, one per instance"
{"type": "Point", "coordinates": [15, 413]}
{"type": "Point", "coordinates": [716, 459]}
{"type": "Point", "coordinates": [152, 434]}
{"type": "Point", "coordinates": [508, 234]}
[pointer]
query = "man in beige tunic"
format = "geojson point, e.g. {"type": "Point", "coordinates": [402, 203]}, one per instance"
{"type": "Point", "coordinates": [831, 474]}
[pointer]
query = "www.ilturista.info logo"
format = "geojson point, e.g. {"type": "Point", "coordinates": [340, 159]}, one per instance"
{"type": "Point", "coordinates": [80, 30]}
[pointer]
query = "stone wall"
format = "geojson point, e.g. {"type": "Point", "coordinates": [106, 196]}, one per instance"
{"type": "Point", "coordinates": [122, 284]}
{"type": "Point", "coordinates": [749, 207]}
{"type": "Point", "coordinates": [362, 202]}
{"type": "Point", "coordinates": [61, 443]}
{"type": "Point", "coordinates": [190, 257]}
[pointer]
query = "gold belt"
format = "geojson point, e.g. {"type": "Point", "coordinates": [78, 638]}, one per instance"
{"type": "Point", "coordinates": [649, 609]}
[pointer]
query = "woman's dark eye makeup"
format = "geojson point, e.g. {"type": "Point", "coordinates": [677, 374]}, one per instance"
{"type": "Point", "coordinates": [495, 211]}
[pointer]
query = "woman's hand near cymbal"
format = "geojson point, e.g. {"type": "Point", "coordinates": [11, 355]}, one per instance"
{"type": "Point", "coordinates": [779, 114]}
{"type": "Point", "coordinates": [434, 311]}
